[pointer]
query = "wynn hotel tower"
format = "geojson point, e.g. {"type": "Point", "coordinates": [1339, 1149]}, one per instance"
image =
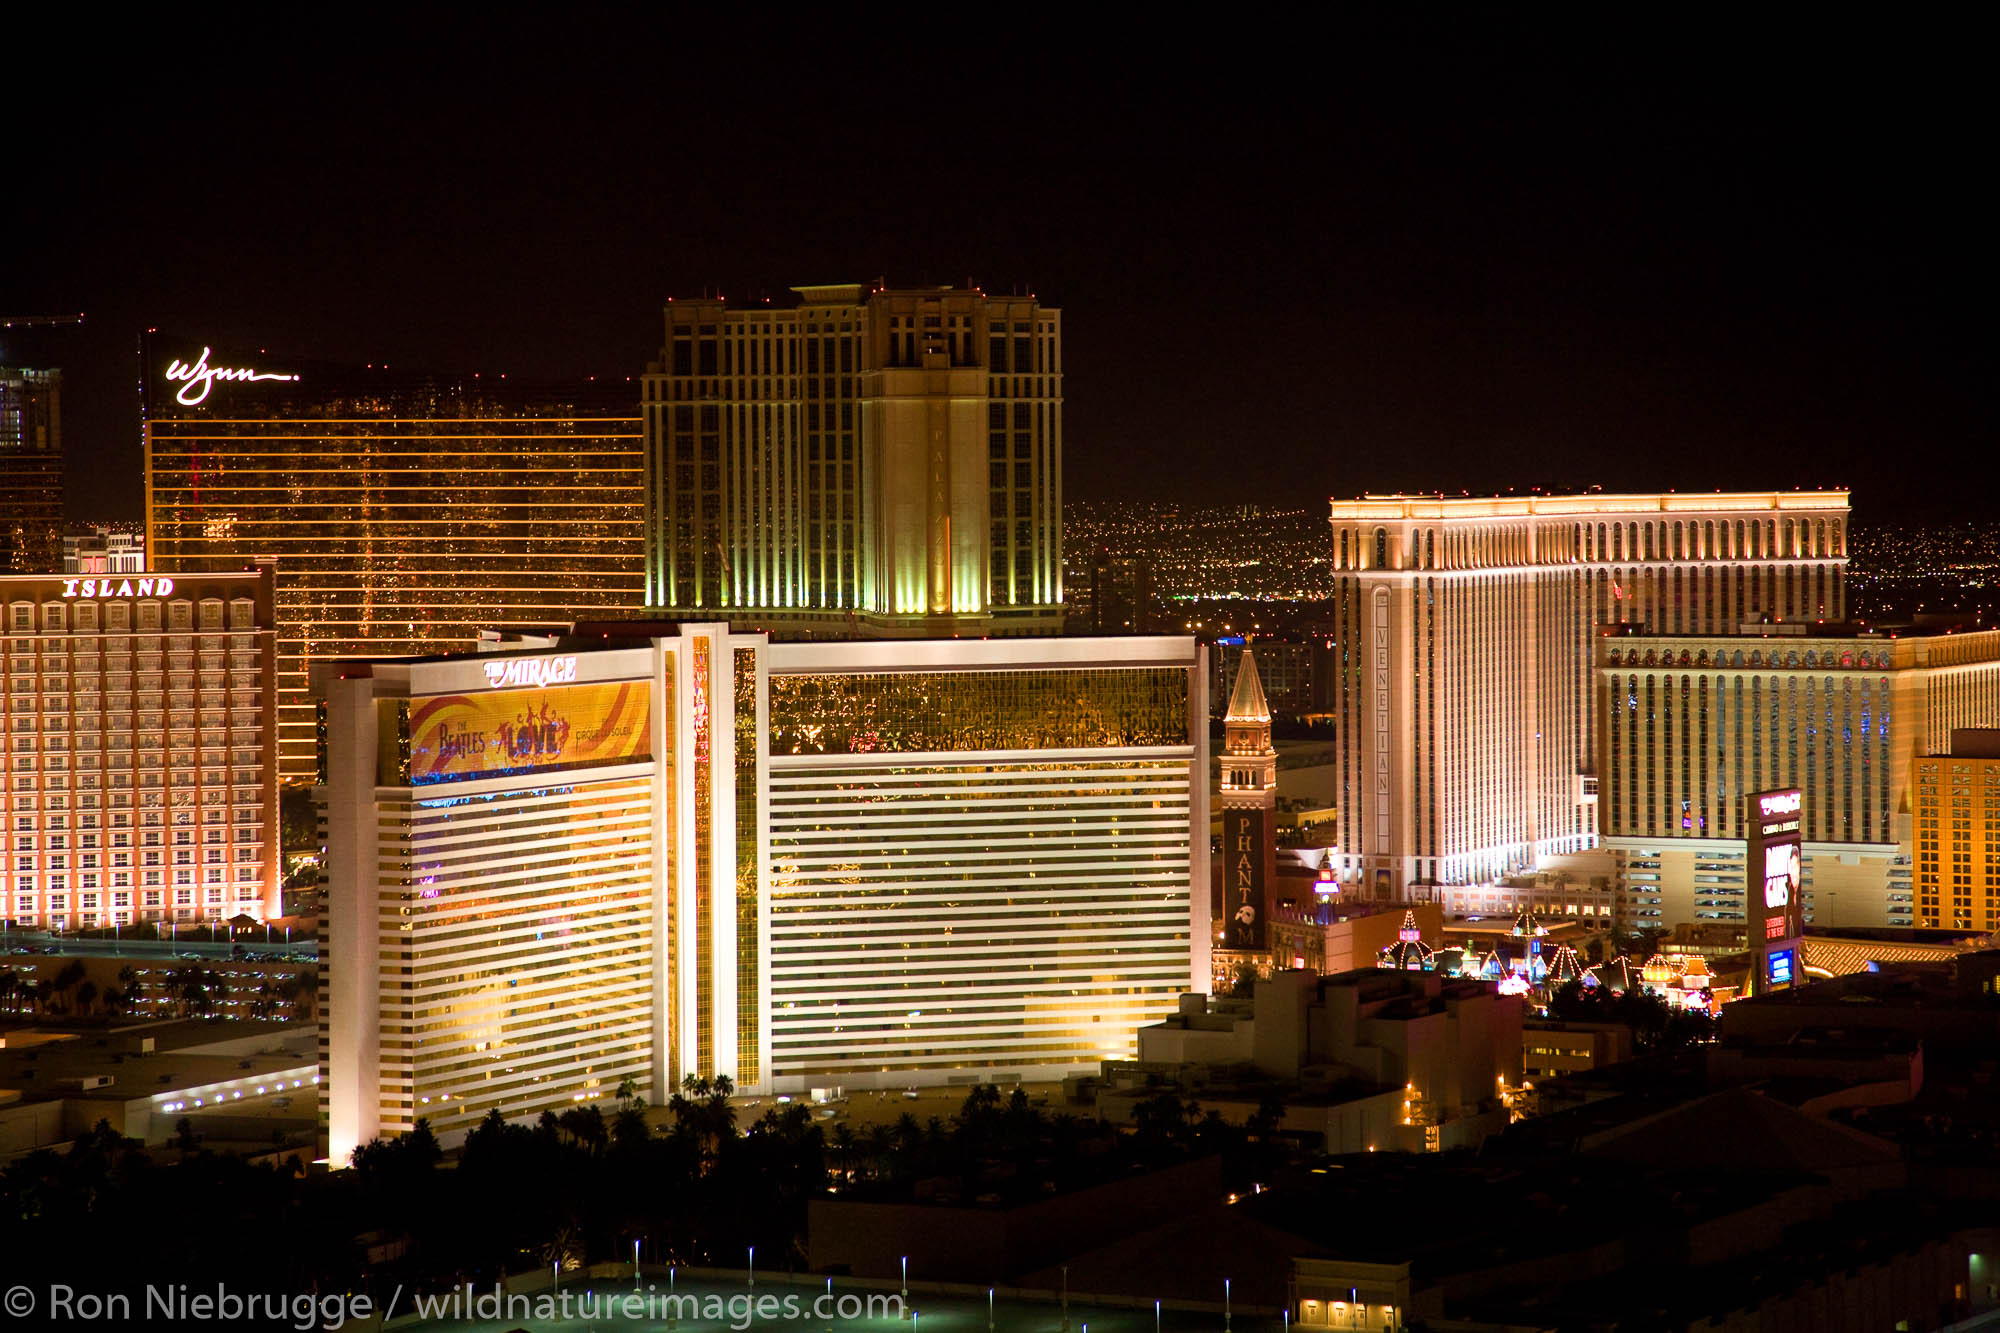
{"type": "Point", "coordinates": [1468, 741]}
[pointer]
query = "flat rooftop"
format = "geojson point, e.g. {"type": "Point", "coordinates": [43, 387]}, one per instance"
{"type": "Point", "coordinates": [1538, 505]}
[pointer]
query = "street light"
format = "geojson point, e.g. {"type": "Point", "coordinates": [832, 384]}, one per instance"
{"type": "Point", "coordinates": [989, 1311]}
{"type": "Point", "coordinates": [1065, 1298]}
{"type": "Point", "coordinates": [1225, 1305]}
{"type": "Point", "coordinates": [753, 1265]}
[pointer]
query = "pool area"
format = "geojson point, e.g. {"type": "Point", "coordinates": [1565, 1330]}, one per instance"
{"type": "Point", "coordinates": [708, 1304]}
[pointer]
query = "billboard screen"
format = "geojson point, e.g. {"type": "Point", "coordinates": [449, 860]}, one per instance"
{"type": "Point", "coordinates": [455, 737]}
{"type": "Point", "coordinates": [1778, 967]}
{"type": "Point", "coordinates": [1775, 862]}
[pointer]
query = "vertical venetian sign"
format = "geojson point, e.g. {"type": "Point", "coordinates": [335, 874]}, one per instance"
{"type": "Point", "coordinates": [1244, 835]}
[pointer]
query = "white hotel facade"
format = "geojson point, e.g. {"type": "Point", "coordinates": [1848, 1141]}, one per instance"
{"type": "Point", "coordinates": [1470, 733]}
{"type": "Point", "coordinates": [686, 850]}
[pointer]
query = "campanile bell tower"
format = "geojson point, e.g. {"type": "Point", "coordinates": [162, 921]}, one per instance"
{"type": "Point", "coordinates": [1249, 804]}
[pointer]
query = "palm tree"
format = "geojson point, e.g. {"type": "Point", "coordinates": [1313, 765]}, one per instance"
{"type": "Point", "coordinates": [86, 996]}
{"type": "Point", "coordinates": [844, 1144]}
{"type": "Point", "coordinates": [66, 980]}
{"type": "Point", "coordinates": [302, 989]}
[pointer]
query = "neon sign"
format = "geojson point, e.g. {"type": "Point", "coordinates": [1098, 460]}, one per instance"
{"type": "Point", "coordinates": [530, 671]}
{"type": "Point", "coordinates": [1778, 803]}
{"type": "Point", "coordinates": [80, 588]}
{"type": "Point", "coordinates": [197, 379]}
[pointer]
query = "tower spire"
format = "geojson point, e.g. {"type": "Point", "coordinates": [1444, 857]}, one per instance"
{"type": "Point", "coordinates": [1246, 701]}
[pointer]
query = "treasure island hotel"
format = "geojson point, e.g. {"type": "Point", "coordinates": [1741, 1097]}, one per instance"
{"type": "Point", "coordinates": [1533, 677]}
{"type": "Point", "coordinates": [136, 753]}
{"type": "Point", "coordinates": [407, 512]}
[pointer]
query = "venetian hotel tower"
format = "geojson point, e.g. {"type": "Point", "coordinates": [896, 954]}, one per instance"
{"type": "Point", "coordinates": [1468, 735]}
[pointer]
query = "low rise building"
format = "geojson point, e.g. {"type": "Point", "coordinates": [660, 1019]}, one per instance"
{"type": "Point", "coordinates": [1374, 1059]}
{"type": "Point", "coordinates": [252, 1086]}
{"type": "Point", "coordinates": [1693, 725]}
{"type": "Point", "coordinates": [1551, 1048]}
{"type": "Point", "coordinates": [1328, 936]}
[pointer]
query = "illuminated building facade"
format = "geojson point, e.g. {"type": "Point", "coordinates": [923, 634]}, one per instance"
{"type": "Point", "coordinates": [103, 551]}
{"type": "Point", "coordinates": [31, 471]}
{"type": "Point", "coordinates": [1467, 713]}
{"type": "Point", "coordinates": [137, 755]}
{"type": "Point", "coordinates": [1957, 814]}
{"type": "Point", "coordinates": [1694, 724]}
{"type": "Point", "coordinates": [406, 512]}
{"type": "Point", "coordinates": [650, 851]}
{"type": "Point", "coordinates": [869, 460]}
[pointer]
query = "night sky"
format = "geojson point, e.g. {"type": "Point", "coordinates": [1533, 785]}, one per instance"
{"type": "Point", "coordinates": [1295, 261]}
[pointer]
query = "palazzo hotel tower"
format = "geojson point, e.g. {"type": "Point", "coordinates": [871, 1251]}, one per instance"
{"type": "Point", "coordinates": [1469, 734]}
{"type": "Point", "coordinates": [869, 461]}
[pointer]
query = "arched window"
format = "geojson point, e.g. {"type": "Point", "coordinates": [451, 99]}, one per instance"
{"type": "Point", "coordinates": [1381, 548]}
{"type": "Point", "coordinates": [1430, 549]}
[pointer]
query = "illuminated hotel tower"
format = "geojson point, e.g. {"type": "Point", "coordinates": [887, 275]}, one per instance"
{"type": "Point", "coordinates": [31, 471]}
{"type": "Point", "coordinates": [407, 512]}
{"type": "Point", "coordinates": [869, 461]}
{"type": "Point", "coordinates": [1249, 802]}
{"type": "Point", "coordinates": [654, 851]}
{"type": "Point", "coordinates": [1468, 729]}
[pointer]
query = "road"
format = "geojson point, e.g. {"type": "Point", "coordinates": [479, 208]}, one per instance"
{"type": "Point", "coordinates": [14, 941]}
